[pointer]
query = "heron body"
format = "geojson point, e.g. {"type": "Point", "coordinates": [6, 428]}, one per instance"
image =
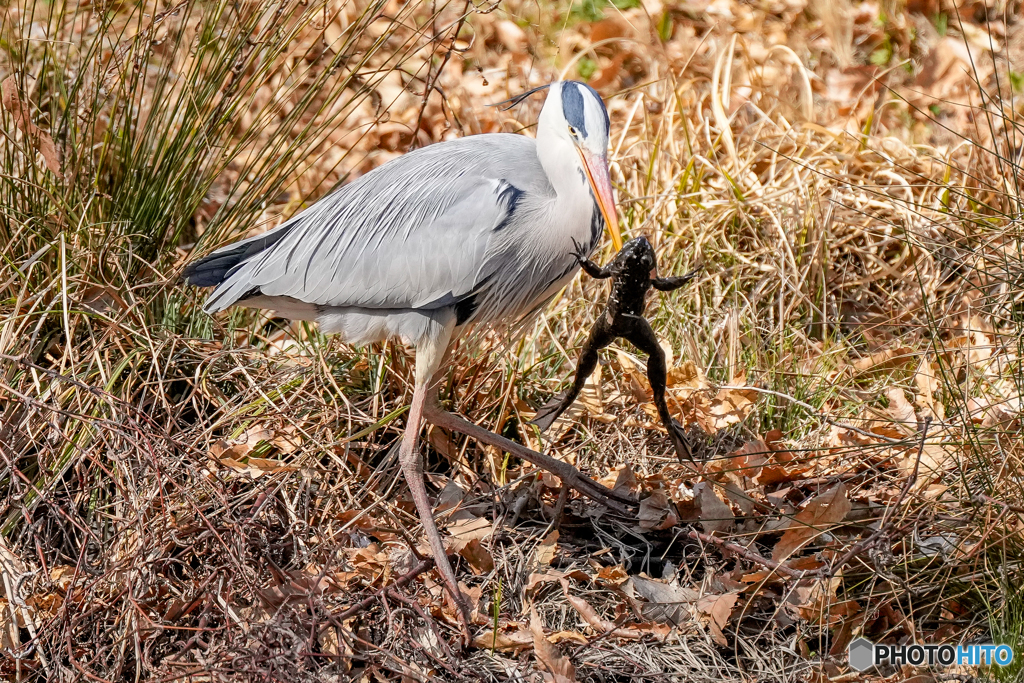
{"type": "Point", "coordinates": [477, 230]}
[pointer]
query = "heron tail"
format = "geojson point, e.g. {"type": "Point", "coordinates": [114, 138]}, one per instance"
{"type": "Point", "coordinates": [213, 269]}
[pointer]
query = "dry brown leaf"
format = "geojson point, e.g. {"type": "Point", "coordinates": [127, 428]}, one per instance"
{"type": "Point", "coordinates": [559, 669]}
{"type": "Point", "coordinates": [504, 639]}
{"type": "Point", "coordinates": [936, 458]}
{"type": "Point", "coordinates": [842, 438]}
{"type": "Point", "coordinates": [592, 395]}
{"type": "Point", "coordinates": [102, 300]}
{"type": "Point", "coordinates": [546, 550]}
{"type": "Point", "coordinates": [356, 518]}
{"type": "Point", "coordinates": [472, 596]}
{"type": "Point", "coordinates": [497, 465]}
{"type": "Point", "coordinates": [465, 528]}
{"type": "Point", "coordinates": [978, 341]}
{"type": "Point", "coordinates": [850, 88]}
{"type": "Point", "coordinates": [686, 378]}
{"type": "Point", "coordinates": [990, 414]}
{"type": "Point", "coordinates": [760, 463]}
{"type": "Point", "coordinates": [241, 446]}
{"type": "Point", "coordinates": [884, 360]}
{"type": "Point", "coordinates": [11, 100]}
{"type": "Point", "coordinates": [287, 440]}
{"type": "Point", "coordinates": [256, 467]}
{"type": "Point", "coordinates": [445, 443]}
{"type": "Point", "coordinates": [927, 383]}
{"type": "Point", "coordinates": [549, 576]}
{"type": "Point", "coordinates": [830, 611]}
{"type": "Point", "coordinates": [777, 474]}
{"type": "Point", "coordinates": [901, 410]}
{"type": "Point", "coordinates": [451, 496]}
{"type": "Point", "coordinates": [666, 348]}
{"type": "Point", "coordinates": [719, 609]}
{"type": "Point", "coordinates": [715, 515]}
{"type": "Point", "coordinates": [745, 461]}
{"type": "Point", "coordinates": [943, 68]}
{"type": "Point", "coordinates": [727, 407]}
{"type": "Point", "coordinates": [660, 632]}
{"type": "Point", "coordinates": [657, 512]}
{"type": "Point", "coordinates": [636, 380]}
{"type": "Point", "coordinates": [612, 577]}
{"type": "Point", "coordinates": [297, 586]}
{"type": "Point", "coordinates": [595, 621]}
{"type": "Point", "coordinates": [510, 35]}
{"type": "Point", "coordinates": [234, 453]}
{"type": "Point", "coordinates": [621, 478]}
{"type": "Point", "coordinates": [730, 406]}
{"type": "Point", "coordinates": [270, 466]}
{"type": "Point", "coordinates": [824, 510]}
{"type": "Point", "coordinates": [665, 603]}
{"type": "Point", "coordinates": [590, 402]}
{"type": "Point", "coordinates": [816, 602]}
{"type": "Point", "coordinates": [331, 645]}
{"type": "Point", "coordinates": [478, 557]}
{"type": "Point", "coordinates": [12, 617]}
{"type": "Point", "coordinates": [370, 562]}
{"type": "Point", "coordinates": [609, 27]}
{"type": "Point", "coordinates": [62, 575]}
{"type": "Point", "coordinates": [537, 578]}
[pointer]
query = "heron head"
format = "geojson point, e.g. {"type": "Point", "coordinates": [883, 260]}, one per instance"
{"type": "Point", "coordinates": [576, 113]}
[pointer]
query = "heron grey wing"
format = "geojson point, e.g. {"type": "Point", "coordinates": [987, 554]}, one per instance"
{"type": "Point", "coordinates": [413, 233]}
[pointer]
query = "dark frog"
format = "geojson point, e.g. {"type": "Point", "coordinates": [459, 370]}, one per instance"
{"type": "Point", "coordinates": [634, 271]}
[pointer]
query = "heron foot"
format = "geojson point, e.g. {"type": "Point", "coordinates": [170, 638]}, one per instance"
{"type": "Point", "coordinates": [571, 476]}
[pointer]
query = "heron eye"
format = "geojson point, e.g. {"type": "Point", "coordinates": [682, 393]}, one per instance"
{"type": "Point", "coordinates": [572, 131]}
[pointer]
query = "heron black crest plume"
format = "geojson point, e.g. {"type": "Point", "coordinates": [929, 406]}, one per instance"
{"type": "Point", "coordinates": [513, 101]}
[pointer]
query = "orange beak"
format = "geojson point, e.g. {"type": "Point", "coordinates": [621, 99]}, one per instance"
{"type": "Point", "coordinates": [601, 182]}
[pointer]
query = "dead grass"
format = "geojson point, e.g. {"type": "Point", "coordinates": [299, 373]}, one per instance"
{"type": "Point", "coordinates": [187, 499]}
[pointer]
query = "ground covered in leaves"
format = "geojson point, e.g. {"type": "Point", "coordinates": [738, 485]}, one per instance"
{"type": "Point", "coordinates": [187, 498]}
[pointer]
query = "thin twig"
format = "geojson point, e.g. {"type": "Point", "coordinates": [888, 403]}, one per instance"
{"type": "Point", "coordinates": [423, 565]}
{"type": "Point", "coordinates": [752, 556]}
{"type": "Point", "coordinates": [415, 607]}
{"type": "Point", "coordinates": [981, 497]}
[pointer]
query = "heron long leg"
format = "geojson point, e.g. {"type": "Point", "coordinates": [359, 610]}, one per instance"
{"type": "Point", "coordinates": [564, 471]}
{"type": "Point", "coordinates": [428, 357]}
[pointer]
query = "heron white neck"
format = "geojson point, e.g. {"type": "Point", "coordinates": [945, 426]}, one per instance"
{"type": "Point", "coordinates": [561, 163]}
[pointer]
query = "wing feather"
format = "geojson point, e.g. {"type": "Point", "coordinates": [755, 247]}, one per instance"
{"type": "Point", "coordinates": [417, 232]}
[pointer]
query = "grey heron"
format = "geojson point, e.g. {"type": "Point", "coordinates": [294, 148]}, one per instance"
{"type": "Point", "coordinates": [460, 233]}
